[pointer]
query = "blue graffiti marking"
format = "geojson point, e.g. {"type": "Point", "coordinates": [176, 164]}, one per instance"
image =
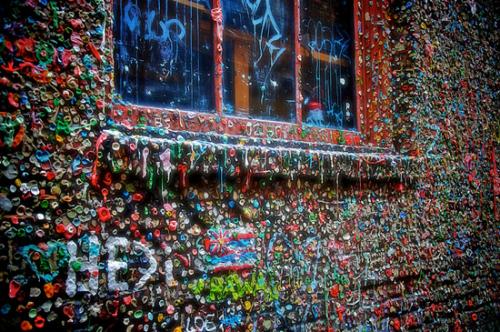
{"type": "Point", "coordinates": [51, 259]}
{"type": "Point", "coordinates": [166, 27]}
{"type": "Point", "coordinates": [269, 30]}
{"type": "Point", "coordinates": [132, 14]}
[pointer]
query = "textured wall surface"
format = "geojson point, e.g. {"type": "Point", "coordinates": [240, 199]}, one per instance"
{"type": "Point", "coordinates": [113, 227]}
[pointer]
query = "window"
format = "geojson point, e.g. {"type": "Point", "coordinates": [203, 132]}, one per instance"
{"type": "Point", "coordinates": [327, 50]}
{"type": "Point", "coordinates": [275, 62]}
{"type": "Point", "coordinates": [164, 53]}
{"type": "Point", "coordinates": [259, 79]}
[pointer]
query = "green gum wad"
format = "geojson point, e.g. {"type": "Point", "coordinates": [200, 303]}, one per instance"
{"type": "Point", "coordinates": [233, 286]}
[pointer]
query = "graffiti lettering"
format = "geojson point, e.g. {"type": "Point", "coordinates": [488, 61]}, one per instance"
{"type": "Point", "coordinates": [167, 27]}
{"type": "Point", "coordinates": [79, 265]}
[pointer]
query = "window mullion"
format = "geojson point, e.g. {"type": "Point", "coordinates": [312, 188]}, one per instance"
{"type": "Point", "coordinates": [358, 65]}
{"type": "Point", "coordinates": [218, 38]}
{"type": "Point", "coordinates": [298, 92]}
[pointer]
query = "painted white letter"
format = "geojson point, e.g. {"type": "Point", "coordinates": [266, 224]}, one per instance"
{"type": "Point", "coordinates": [78, 264]}
{"type": "Point", "coordinates": [112, 245]}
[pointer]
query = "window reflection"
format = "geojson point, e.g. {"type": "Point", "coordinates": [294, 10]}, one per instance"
{"type": "Point", "coordinates": [327, 72]}
{"type": "Point", "coordinates": [164, 53]}
{"type": "Point", "coordinates": [259, 59]}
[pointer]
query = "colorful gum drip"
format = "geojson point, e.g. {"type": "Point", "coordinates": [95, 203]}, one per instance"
{"type": "Point", "coordinates": [119, 218]}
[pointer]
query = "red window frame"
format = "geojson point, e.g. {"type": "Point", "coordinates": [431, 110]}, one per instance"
{"type": "Point", "coordinates": [369, 112]}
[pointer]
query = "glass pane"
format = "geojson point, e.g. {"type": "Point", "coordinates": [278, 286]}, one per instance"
{"type": "Point", "coordinates": [327, 74]}
{"type": "Point", "coordinates": [259, 59]}
{"type": "Point", "coordinates": [164, 53]}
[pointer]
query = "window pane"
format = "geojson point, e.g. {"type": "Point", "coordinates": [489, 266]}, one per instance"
{"type": "Point", "coordinates": [327, 74]}
{"type": "Point", "coordinates": [259, 59]}
{"type": "Point", "coordinates": [164, 53]}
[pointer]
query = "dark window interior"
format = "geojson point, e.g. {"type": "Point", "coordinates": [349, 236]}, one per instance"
{"type": "Point", "coordinates": [259, 59]}
{"type": "Point", "coordinates": [164, 53]}
{"type": "Point", "coordinates": [164, 58]}
{"type": "Point", "coordinates": [327, 73]}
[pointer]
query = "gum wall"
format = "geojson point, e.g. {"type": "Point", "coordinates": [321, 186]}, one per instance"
{"type": "Point", "coordinates": [113, 225]}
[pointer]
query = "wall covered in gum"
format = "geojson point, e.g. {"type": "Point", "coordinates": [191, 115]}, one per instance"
{"type": "Point", "coordinates": [112, 227]}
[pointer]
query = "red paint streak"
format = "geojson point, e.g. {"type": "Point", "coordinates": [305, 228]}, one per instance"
{"type": "Point", "coordinates": [94, 178]}
{"type": "Point", "coordinates": [245, 236]}
{"type": "Point", "coordinates": [94, 52]}
{"type": "Point", "coordinates": [233, 268]}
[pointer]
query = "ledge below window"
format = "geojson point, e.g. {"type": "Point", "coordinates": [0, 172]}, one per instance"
{"type": "Point", "coordinates": [181, 120]}
{"type": "Point", "coordinates": [150, 153]}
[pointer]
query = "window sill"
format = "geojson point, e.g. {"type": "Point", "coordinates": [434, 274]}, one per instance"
{"type": "Point", "coordinates": [139, 150]}
{"type": "Point", "coordinates": [174, 119]}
